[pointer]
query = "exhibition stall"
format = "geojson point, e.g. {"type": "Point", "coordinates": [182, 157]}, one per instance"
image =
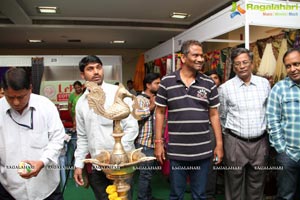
{"type": "Point", "coordinates": [284, 15]}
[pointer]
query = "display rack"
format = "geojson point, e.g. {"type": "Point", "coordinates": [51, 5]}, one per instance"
{"type": "Point", "coordinates": [287, 16]}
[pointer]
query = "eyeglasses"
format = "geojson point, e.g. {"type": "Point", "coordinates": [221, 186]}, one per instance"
{"type": "Point", "coordinates": [296, 64]}
{"type": "Point", "coordinates": [246, 63]}
{"type": "Point", "coordinates": [24, 125]}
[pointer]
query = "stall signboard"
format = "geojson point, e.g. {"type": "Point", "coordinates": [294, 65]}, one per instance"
{"type": "Point", "coordinates": [269, 13]}
{"type": "Point", "coordinates": [57, 91]}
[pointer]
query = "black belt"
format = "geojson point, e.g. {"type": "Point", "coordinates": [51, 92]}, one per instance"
{"type": "Point", "coordinates": [246, 139]}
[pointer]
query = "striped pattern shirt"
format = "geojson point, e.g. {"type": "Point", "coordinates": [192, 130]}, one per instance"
{"type": "Point", "coordinates": [283, 115]}
{"type": "Point", "coordinates": [188, 117]}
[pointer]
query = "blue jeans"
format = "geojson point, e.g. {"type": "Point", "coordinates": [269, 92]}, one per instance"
{"type": "Point", "coordinates": [71, 147]}
{"type": "Point", "coordinates": [146, 173]}
{"type": "Point", "coordinates": [196, 170]}
{"type": "Point", "coordinates": [62, 164]}
{"type": "Point", "coordinates": [288, 179]}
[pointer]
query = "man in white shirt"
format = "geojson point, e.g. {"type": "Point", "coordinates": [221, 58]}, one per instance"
{"type": "Point", "coordinates": [31, 132]}
{"type": "Point", "coordinates": [94, 132]}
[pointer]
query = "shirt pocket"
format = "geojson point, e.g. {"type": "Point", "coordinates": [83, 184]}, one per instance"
{"type": "Point", "coordinates": [291, 103]}
{"type": "Point", "coordinates": [38, 139]}
{"type": "Point", "coordinates": [289, 106]}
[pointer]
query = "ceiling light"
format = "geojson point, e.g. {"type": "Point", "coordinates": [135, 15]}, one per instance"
{"type": "Point", "coordinates": [117, 41]}
{"type": "Point", "coordinates": [178, 15]}
{"type": "Point", "coordinates": [35, 41]}
{"type": "Point", "coordinates": [47, 9]}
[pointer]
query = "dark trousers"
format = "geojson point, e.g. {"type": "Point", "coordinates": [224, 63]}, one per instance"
{"type": "Point", "coordinates": [56, 195]}
{"type": "Point", "coordinates": [146, 172]}
{"type": "Point", "coordinates": [99, 182]}
{"type": "Point", "coordinates": [243, 178]}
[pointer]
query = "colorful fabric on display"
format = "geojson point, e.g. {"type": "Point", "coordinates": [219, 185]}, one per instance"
{"type": "Point", "coordinates": [297, 41]}
{"type": "Point", "coordinates": [178, 62]}
{"type": "Point", "coordinates": [291, 37]}
{"type": "Point", "coordinates": [169, 65]}
{"type": "Point", "coordinates": [139, 74]}
{"type": "Point", "coordinates": [228, 72]}
{"type": "Point", "coordinates": [157, 65]}
{"type": "Point", "coordinates": [274, 40]}
{"type": "Point", "coordinates": [256, 58]}
{"type": "Point", "coordinates": [222, 64]}
{"type": "Point", "coordinates": [160, 65]}
{"type": "Point", "coordinates": [163, 69]}
{"type": "Point", "coordinates": [213, 59]}
{"type": "Point", "coordinates": [268, 62]}
{"type": "Point", "coordinates": [280, 71]}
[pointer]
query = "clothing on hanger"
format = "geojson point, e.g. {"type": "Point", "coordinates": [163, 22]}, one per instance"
{"type": "Point", "coordinates": [280, 71]}
{"type": "Point", "coordinates": [268, 62]}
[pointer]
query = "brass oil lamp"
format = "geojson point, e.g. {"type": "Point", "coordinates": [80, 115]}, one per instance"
{"type": "Point", "coordinates": [118, 165]}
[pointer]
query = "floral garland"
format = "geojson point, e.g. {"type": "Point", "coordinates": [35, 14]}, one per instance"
{"type": "Point", "coordinates": [111, 190]}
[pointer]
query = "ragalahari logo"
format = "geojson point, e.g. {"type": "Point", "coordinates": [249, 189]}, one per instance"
{"type": "Point", "coordinates": [236, 10]}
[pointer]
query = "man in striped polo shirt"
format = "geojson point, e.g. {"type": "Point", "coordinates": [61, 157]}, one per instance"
{"type": "Point", "coordinates": [192, 101]}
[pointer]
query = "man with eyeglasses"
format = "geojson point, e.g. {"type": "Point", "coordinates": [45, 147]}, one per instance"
{"type": "Point", "coordinates": [31, 132]}
{"type": "Point", "coordinates": [283, 114]}
{"type": "Point", "coordinates": [243, 116]}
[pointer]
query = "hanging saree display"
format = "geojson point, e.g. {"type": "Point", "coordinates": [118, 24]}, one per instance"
{"type": "Point", "coordinates": [280, 71]}
{"type": "Point", "coordinates": [268, 62]}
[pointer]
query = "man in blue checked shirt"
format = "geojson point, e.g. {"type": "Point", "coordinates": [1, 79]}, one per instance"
{"type": "Point", "coordinates": [283, 115]}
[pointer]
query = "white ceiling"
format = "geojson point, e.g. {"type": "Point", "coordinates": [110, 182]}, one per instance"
{"type": "Point", "coordinates": [142, 23]}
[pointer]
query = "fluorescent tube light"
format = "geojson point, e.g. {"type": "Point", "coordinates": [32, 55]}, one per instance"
{"type": "Point", "coordinates": [35, 41]}
{"type": "Point", "coordinates": [47, 9]}
{"type": "Point", "coordinates": [178, 15]}
{"type": "Point", "coordinates": [117, 41]}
